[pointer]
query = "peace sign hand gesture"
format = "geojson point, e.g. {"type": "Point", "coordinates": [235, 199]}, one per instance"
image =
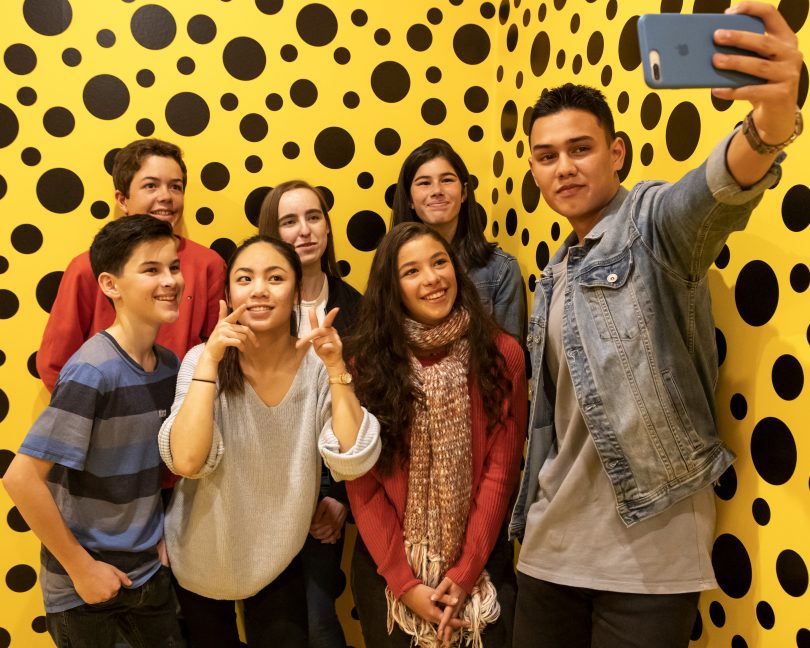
{"type": "Point", "coordinates": [228, 333]}
{"type": "Point", "coordinates": [325, 340]}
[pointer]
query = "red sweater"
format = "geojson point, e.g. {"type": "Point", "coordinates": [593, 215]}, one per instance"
{"type": "Point", "coordinates": [81, 310]}
{"type": "Point", "coordinates": [378, 503]}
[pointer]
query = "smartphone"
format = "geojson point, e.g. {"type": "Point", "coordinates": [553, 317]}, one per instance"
{"type": "Point", "coordinates": [676, 49]}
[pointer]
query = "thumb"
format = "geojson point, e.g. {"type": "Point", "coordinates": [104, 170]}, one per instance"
{"type": "Point", "coordinates": [122, 577]}
{"type": "Point", "coordinates": [223, 309]}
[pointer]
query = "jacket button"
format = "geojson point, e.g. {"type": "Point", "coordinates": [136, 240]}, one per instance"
{"type": "Point", "coordinates": [612, 277]}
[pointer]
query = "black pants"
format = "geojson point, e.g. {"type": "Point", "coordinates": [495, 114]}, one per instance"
{"type": "Point", "coordinates": [557, 616]}
{"type": "Point", "coordinates": [368, 589]}
{"type": "Point", "coordinates": [275, 617]}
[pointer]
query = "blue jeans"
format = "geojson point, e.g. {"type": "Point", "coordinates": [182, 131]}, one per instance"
{"type": "Point", "coordinates": [144, 616]}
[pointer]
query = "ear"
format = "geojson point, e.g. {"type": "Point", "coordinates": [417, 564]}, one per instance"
{"type": "Point", "coordinates": [121, 201]}
{"type": "Point", "coordinates": [464, 192]}
{"type": "Point", "coordinates": [617, 153]}
{"type": "Point", "coordinates": [108, 284]}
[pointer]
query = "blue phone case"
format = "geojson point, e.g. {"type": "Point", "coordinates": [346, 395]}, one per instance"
{"type": "Point", "coordinates": [684, 44]}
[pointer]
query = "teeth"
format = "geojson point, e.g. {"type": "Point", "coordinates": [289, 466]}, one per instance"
{"type": "Point", "coordinates": [259, 308]}
{"type": "Point", "coordinates": [434, 296]}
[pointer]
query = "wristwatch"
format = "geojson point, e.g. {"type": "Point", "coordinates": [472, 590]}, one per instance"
{"type": "Point", "coordinates": [749, 129]}
{"type": "Point", "coordinates": [344, 378]}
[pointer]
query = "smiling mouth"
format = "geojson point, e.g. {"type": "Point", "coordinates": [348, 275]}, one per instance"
{"type": "Point", "coordinates": [569, 188]}
{"type": "Point", "coordinates": [259, 309]}
{"type": "Point", "coordinates": [435, 295]}
{"type": "Point", "coordinates": [166, 298]}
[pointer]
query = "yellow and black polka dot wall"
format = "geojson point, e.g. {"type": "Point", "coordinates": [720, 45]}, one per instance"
{"type": "Point", "coordinates": [257, 92]}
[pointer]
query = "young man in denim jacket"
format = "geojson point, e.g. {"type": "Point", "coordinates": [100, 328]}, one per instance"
{"type": "Point", "coordinates": [616, 510]}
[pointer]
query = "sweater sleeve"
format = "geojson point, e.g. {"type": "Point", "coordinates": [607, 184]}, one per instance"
{"type": "Point", "coordinates": [381, 531]}
{"type": "Point", "coordinates": [164, 436]}
{"type": "Point", "coordinates": [499, 477]}
{"type": "Point", "coordinates": [69, 323]}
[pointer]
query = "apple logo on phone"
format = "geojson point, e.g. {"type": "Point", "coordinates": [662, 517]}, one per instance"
{"type": "Point", "coordinates": [683, 49]}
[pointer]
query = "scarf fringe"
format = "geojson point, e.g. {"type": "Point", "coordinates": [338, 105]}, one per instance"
{"type": "Point", "coordinates": [480, 609]}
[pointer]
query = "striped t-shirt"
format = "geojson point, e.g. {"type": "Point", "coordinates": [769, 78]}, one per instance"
{"type": "Point", "coordinates": [100, 430]}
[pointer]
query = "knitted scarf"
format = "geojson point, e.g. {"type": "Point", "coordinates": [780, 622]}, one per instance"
{"type": "Point", "coordinates": [440, 480]}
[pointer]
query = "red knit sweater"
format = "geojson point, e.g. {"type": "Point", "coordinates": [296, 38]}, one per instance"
{"type": "Point", "coordinates": [378, 503]}
{"type": "Point", "coordinates": [81, 310]}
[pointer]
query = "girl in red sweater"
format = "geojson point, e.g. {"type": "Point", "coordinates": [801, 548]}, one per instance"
{"type": "Point", "coordinates": [449, 390]}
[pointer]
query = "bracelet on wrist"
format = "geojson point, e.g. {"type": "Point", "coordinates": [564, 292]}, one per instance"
{"type": "Point", "coordinates": [205, 380]}
{"type": "Point", "coordinates": [749, 129]}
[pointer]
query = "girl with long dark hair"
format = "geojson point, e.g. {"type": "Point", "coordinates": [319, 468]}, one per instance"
{"type": "Point", "coordinates": [449, 390]}
{"type": "Point", "coordinates": [255, 409]}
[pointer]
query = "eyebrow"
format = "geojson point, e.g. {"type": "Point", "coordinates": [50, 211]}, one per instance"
{"type": "Point", "coordinates": [441, 175]}
{"type": "Point", "coordinates": [433, 256]}
{"type": "Point", "coordinates": [306, 213]}
{"type": "Point", "coordinates": [150, 262]}
{"type": "Point", "coordinates": [155, 178]}
{"type": "Point", "coordinates": [568, 142]}
{"type": "Point", "coordinates": [267, 269]}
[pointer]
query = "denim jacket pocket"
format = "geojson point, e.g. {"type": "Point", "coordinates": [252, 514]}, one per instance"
{"type": "Point", "coordinates": [615, 305]}
{"type": "Point", "coordinates": [676, 398]}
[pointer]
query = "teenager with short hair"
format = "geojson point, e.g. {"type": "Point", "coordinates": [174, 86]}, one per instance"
{"type": "Point", "coordinates": [87, 476]}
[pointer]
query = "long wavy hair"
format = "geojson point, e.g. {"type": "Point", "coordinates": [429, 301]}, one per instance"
{"type": "Point", "coordinates": [268, 221]}
{"type": "Point", "coordinates": [229, 372]}
{"type": "Point", "coordinates": [468, 242]}
{"type": "Point", "coordinates": [379, 349]}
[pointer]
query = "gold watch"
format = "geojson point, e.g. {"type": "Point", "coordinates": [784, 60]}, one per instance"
{"type": "Point", "coordinates": [344, 378]}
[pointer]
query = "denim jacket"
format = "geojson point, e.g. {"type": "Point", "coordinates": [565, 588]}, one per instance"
{"type": "Point", "coordinates": [500, 287]}
{"type": "Point", "coordinates": [639, 338]}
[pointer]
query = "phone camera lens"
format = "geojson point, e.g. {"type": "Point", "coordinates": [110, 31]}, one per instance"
{"type": "Point", "coordinates": [656, 70]}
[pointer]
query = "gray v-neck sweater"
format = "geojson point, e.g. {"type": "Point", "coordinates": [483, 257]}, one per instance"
{"type": "Point", "coordinates": [237, 524]}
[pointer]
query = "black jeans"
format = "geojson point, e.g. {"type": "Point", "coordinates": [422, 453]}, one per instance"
{"type": "Point", "coordinates": [557, 616]}
{"type": "Point", "coordinates": [144, 616]}
{"type": "Point", "coordinates": [275, 617]}
{"type": "Point", "coordinates": [325, 582]}
{"type": "Point", "coordinates": [368, 589]}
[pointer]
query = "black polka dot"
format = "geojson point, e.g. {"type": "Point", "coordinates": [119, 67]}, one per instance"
{"type": "Point", "coordinates": [738, 406]}
{"type": "Point", "coordinates": [382, 36]}
{"type": "Point", "coordinates": [610, 9]}
{"type": "Point", "coordinates": [794, 12]}
{"type": "Point", "coordinates": [185, 65]}
{"type": "Point", "coordinates": [732, 566]}
{"type": "Point", "coordinates": [106, 96]}
{"type": "Point", "coordinates": [555, 231]}
{"type": "Point", "coordinates": [342, 56]}
{"type": "Point", "coordinates": [671, 6]}
{"type": "Point", "coordinates": [99, 209]}
{"type": "Point", "coordinates": [351, 99]}
{"type": "Point", "coordinates": [497, 164]}
{"type": "Point", "coordinates": [629, 53]}
{"type": "Point", "coordinates": [328, 196]}
{"type": "Point", "coordinates": [471, 44]}
{"type": "Point", "coordinates": [512, 38]}
{"type": "Point", "coordinates": [509, 185]}
{"type": "Point", "coordinates": [5, 456]}
{"type": "Point", "coordinates": [561, 59]}
{"type": "Point", "coordinates": [529, 193]}
{"type": "Point", "coordinates": [365, 180]}
{"type": "Point", "coordinates": [145, 127]}
{"type": "Point", "coordinates": [289, 53]}
{"type": "Point", "coordinates": [60, 190]}
{"type": "Point", "coordinates": [628, 156]}
{"type": "Point", "coordinates": [787, 377]}
{"type": "Point", "coordinates": [623, 102]}
{"type": "Point", "coordinates": [651, 111]}
{"type": "Point", "coordinates": [434, 111]}
{"type": "Point", "coordinates": [717, 614]}
{"type": "Point", "coordinates": [201, 29]}
{"type": "Point", "coordinates": [575, 22]}
{"type": "Point", "coordinates": [720, 342]}
{"type": "Point", "coordinates": [187, 114]}
{"type": "Point", "coordinates": [224, 247]}
{"type": "Point", "coordinates": [765, 615]}
{"type": "Point", "coordinates": [71, 57]}
{"type": "Point", "coordinates": [761, 511]}
{"type": "Point", "coordinates": [2, 358]}
{"type": "Point", "coordinates": [253, 127]}
{"type": "Point", "coordinates": [359, 17]}
{"type": "Point", "coordinates": [803, 638]}
{"type": "Point", "coordinates": [646, 154]}
{"type": "Point", "coordinates": [58, 121]}
{"type": "Point", "coordinates": [16, 522]}
{"type": "Point", "coordinates": [145, 78]}
{"type": "Point", "coordinates": [607, 75]}
{"type": "Point", "coordinates": [20, 58]}
{"type": "Point", "coordinates": [773, 450]}
{"type": "Point", "coordinates": [290, 150]}
{"type": "Point", "coordinates": [723, 258]}
{"type": "Point", "coordinates": [204, 216]}
{"type": "Point", "coordinates": [26, 238]}
{"type": "Point", "coordinates": [738, 642]}
{"type": "Point", "coordinates": [9, 304]}
{"type": "Point", "coordinates": [390, 81]}
{"type": "Point", "coordinates": [683, 131]}
{"type": "Point", "coordinates": [316, 25]}
{"type": "Point", "coordinates": [433, 74]}
{"type": "Point", "coordinates": [419, 37]}
{"type": "Point", "coordinates": [726, 486]}
{"type": "Point", "coordinates": [269, 7]}
{"type": "Point", "coordinates": [365, 230]}
{"type": "Point", "coordinates": [48, 17]}
{"type": "Point", "coordinates": [3, 187]}
{"type": "Point", "coordinates": [244, 58]}
{"type": "Point", "coordinates": [334, 147]}
{"type": "Point", "coordinates": [303, 93]}
{"type": "Point", "coordinates": [30, 156]}
{"type": "Point", "coordinates": [38, 625]}
{"type": "Point", "coordinates": [105, 38]}
{"type": "Point", "coordinates": [756, 293]}
{"type": "Point", "coordinates": [711, 6]}
{"type": "Point", "coordinates": [153, 27]}
{"type": "Point", "coordinates": [791, 572]}
{"type": "Point", "coordinates": [434, 16]}
{"type": "Point", "coordinates": [21, 578]}
{"type": "Point", "coordinates": [215, 176]}
{"type": "Point", "coordinates": [524, 237]}
{"type": "Point", "coordinates": [503, 12]}
{"type": "Point", "coordinates": [476, 99]}
{"type": "Point", "coordinates": [800, 277]}
{"type": "Point", "coordinates": [46, 290]}
{"type": "Point", "coordinates": [531, 284]}
{"type": "Point", "coordinates": [576, 64]}
{"type": "Point", "coordinates": [109, 160]}
{"type": "Point", "coordinates": [542, 255]}
{"type": "Point", "coordinates": [511, 221]}
{"type": "Point", "coordinates": [9, 126]}
{"type": "Point", "coordinates": [475, 133]}
{"type": "Point", "coordinates": [387, 141]}
{"type": "Point", "coordinates": [795, 207]}
{"type": "Point", "coordinates": [596, 46]}
{"type": "Point", "coordinates": [509, 120]}
{"type": "Point", "coordinates": [344, 269]}
{"type": "Point", "coordinates": [697, 627]}
{"type": "Point", "coordinates": [721, 104]}
{"type": "Point", "coordinates": [487, 10]}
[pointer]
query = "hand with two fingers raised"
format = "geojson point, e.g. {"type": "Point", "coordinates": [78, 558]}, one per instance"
{"type": "Point", "coordinates": [325, 341]}
{"type": "Point", "coordinates": [228, 333]}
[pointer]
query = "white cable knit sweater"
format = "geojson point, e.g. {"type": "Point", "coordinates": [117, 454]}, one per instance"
{"type": "Point", "coordinates": [235, 526]}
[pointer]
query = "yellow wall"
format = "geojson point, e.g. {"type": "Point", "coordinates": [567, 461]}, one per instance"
{"type": "Point", "coordinates": [759, 288]}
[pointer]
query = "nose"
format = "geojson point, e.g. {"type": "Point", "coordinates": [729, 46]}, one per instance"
{"type": "Point", "coordinates": [436, 188]}
{"type": "Point", "coordinates": [304, 229]}
{"type": "Point", "coordinates": [170, 279]}
{"type": "Point", "coordinates": [429, 276]}
{"type": "Point", "coordinates": [258, 287]}
{"type": "Point", "coordinates": [163, 193]}
{"type": "Point", "coordinates": [566, 166]}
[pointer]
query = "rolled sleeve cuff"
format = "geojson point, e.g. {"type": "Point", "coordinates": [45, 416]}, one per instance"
{"type": "Point", "coordinates": [358, 459]}
{"type": "Point", "coordinates": [722, 184]}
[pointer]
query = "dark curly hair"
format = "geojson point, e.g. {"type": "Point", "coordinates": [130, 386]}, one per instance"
{"type": "Point", "coordinates": [379, 350]}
